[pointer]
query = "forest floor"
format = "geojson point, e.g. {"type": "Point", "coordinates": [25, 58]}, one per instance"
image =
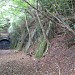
{"type": "Point", "coordinates": [60, 60]}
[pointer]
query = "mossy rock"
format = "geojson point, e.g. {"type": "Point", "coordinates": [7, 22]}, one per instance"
{"type": "Point", "coordinates": [41, 49]}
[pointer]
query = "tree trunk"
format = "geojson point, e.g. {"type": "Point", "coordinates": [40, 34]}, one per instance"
{"type": "Point", "coordinates": [73, 2]}
{"type": "Point", "coordinates": [22, 41]}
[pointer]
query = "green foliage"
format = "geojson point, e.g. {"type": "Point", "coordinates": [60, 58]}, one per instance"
{"type": "Point", "coordinates": [41, 48]}
{"type": "Point", "coordinates": [15, 30]}
{"type": "Point", "coordinates": [12, 10]}
{"type": "Point", "coordinates": [4, 24]}
{"type": "Point", "coordinates": [62, 6]}
{"type": "Point", "coordinates": [21, 3]}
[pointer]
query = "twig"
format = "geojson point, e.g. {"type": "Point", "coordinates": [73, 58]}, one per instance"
{"type": "Point", "coordinates": [58, 68]}
{"type": "Point", "coordinates": [38, 10]}
{"type": "Point", "coordinates": [61, 23]}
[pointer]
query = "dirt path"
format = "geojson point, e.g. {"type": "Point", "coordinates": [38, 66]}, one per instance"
{"type": "Point", "coordinates": [59, 60]}
{"type": "Point", "coordinates": [16, 64]}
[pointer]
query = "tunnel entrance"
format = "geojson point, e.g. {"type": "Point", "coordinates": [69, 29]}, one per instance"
{"type": "Point", "coordinates": [4, 44]}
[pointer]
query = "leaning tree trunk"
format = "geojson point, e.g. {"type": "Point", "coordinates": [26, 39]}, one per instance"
{"type": "Point", "coordinates": [42, 28]}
